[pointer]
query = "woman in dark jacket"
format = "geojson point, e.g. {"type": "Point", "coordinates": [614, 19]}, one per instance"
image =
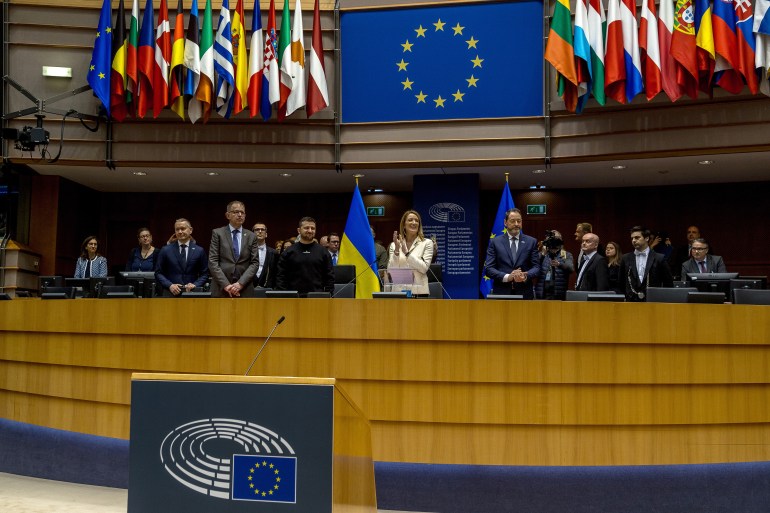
{"type": "Point", "coordinates": [613, 254]}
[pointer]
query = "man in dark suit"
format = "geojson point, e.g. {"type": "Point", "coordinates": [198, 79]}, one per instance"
{"type": "Point", "coordinates": [701, 261]}
{"type": "Point", "coordinates": [233, 255]}
{"type": "Point", "coordinates": [268, 259]}
{"type": "Point", "coordinates": [683, 253]}
{"type": "Point", "coordinates": [643, 267]}
{"type": "Point", "coordinates": [182, 265]}
{"type": "Point", "coordinates": [512, 260]}
{"type": "Point", "coordinates": [592, 271]}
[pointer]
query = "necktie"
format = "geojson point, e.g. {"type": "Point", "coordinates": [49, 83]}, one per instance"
{"type": "Point", "coordinates": [334, 259]}
{"type": "Point", "coordinates": [183, 254]}
{"type": "Point", "coordinates": [514, 248]}
{"type": "Point", "coordinates": [236, 246]}
{"type": "Point", "coordinates": [702, 265]}
{"type": "Point", "coordinates": [583, 261]}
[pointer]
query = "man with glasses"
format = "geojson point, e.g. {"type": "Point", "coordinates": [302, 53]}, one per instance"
{"type": "Point", "coordinates": [334, 247]}
{"type": "Point", "coordinates": [701, 261]}
{"type": "Point", "coordinates": [268, 259]}
{"type": "Point", "coordinates": [233, 257]}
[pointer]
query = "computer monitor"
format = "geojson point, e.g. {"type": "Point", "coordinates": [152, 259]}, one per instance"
{"type": "Point", "coordinates": [714, 298]}
{"type": "Point", "coordinates": [344, 273]}
{"type": "Point", "coordinates": [58, 293]}
{"type": "Point", "coordinates": [389, 295]}
{"type": "Point", "coordinates": [744, 283]}
{"type": "Point", "coordinates": [49, 281]}
{"type": "Point", "coordinates": [711, 282]}
{"type": "Point", "coordinates": [281, 293]}
{"type": "Point", "coordinates": [143, 282]}
{"type": "Point", "coordinates": [505, 297]}
{"type": "Point", "coordinates": [319, 295]}
{"type": "Point", "coordinates": [606, 296]}
{"type": "Point", "coordinates": [97, 283]}
{"type": "Point", "coordinates": [83, 284]}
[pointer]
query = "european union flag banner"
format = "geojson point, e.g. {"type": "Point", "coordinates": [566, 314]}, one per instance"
{"type": "Point", "coordinates": [264, 478]}
{"type": "Point", "coordinates": [443, 62]}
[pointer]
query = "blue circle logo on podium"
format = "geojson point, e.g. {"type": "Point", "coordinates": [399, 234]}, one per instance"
{"type": "Point", "coordinates": [447, 213]}
{"type": "Point", "coordinates": [231, 459]}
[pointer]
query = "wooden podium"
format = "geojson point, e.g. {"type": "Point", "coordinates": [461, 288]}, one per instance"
{"type": "Point", "coordinates": [202, 443]}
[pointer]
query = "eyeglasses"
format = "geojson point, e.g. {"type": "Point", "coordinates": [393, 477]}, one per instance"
{"type": "Point", "coordinates": [146, 236]}
{"type": "Point", "coordinates": [700, 249]}
{"type": "Point", "coordinates": [260, 229]}
{"type": "Point", "coordinates": [237, 212]}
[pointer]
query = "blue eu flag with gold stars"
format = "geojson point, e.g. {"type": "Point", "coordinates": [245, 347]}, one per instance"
{"type": "Point", "coordinates": [100, 67]}
{"type": "Point", "coordinates": [443, 62]}
{"type": "Point", "coordinates": [264, 478]}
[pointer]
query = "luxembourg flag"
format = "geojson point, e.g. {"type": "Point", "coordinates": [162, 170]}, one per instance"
{"type": "Point", "coordinates": [614, 61]}
{"type": "Point", "coordinates": [633, 63]}
{"type": "Point", "coordinates": [762, 31]}
{"type": "Point", "coordinates": [667, 63]}
{"type": "Point", "coordinates": [582, 54]}
{"type": "Point", "coordinates": [597, 26]}
{"type": "Point", "coordinates": [650, 49]}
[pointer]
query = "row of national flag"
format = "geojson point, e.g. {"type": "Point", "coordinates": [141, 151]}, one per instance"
{"type": "Point", "coordinates": [141, 68]}
{"type": "Point", "coordinates": [679, 47]}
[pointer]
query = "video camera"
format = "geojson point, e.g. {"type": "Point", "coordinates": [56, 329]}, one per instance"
{"type": "Point", "coordinates": [28, 138]}
{"type": "Point", "coordinates": [552, 241]}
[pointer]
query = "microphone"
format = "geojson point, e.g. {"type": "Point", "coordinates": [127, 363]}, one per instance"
{"type": "Point", "coordinates": [355, 278]}
{"type": "Point", "coordinates": [265, 343]}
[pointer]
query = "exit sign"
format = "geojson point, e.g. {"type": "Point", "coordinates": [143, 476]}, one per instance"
{"type": "Point", "coordinates": [536, 209]}
{"type": "Point", "coordinates": [375, 211]}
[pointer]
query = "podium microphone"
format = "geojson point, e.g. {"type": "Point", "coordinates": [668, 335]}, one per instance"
{"type": "Point", "coordinates": [279, 321]}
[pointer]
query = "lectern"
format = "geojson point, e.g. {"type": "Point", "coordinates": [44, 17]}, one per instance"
{"type": "Point", "coordinates": [203, 443]}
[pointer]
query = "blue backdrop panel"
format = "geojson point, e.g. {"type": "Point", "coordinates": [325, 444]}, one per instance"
{"type": "Point", "coordinates": [449, 207]}
{"type": "Point", "coordinates": [443, 62]}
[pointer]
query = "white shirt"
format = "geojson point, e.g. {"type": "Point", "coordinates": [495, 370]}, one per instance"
{"type": "Point", "coordinates": [641, 262]}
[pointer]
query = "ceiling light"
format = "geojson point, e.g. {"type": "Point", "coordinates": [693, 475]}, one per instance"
{"type": "Point", "coordinates": [374, 189]}
{"type": "Point", "coordinates": [358, 176]}
{"type": "Point", "coordinates": [542, 186]}
{"type": "Point", "coordinates": [286, 175]}
{"type": "Point", "coordinates": [211, 173]}
{"type": "Point", "coordinates": [140, 173]}
{"type": "Point", "coordinates": [57, 71]}
{"type": "Point", "coordinates": [538, 171]}
{"type": "Point", "coordinates": [706, 162]}
{"type": "Point", "coordinates": [533, 186]}
{"type": "Point", "coordinates": [618, 167]}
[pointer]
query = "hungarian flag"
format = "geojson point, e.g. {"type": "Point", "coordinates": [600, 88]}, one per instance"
{"type": "Point", "coordinates": [683, 48]}
{"type": "Point", "coordinates": [205, 92]}
{"type": "Point", "coordinates": [298, 94]}
{"type": "Point", "coordinates": [704, 44]}
{"type": "Point", "coordinates": [240, 61]}
{"type": "Point", "coordinates": [559, 52]}
{"type": "Point", "coordinates": [582, 54]}
{"type": "Point", "coordinates": [726, 71]}
{"type": "Point", "coordinates": [132, 60]}
{"type": "Point", "coordinates": [223, 61]}
{"type": "Point", "coordinates": [649, 49]}
{"type": "Point", "coordinates": [256, 63]}
{"type": "Point", "coordinates": [597, 27]}
{"type": "Point", "coordinates": [146, 60]}
{"type": "Point", "coordinates": [162, 58]}
{"type": "Point", "coordinates": [118, 109]}
{"type": "Point", "coordinates": [614, 56]}
{"type": "Point", "coordinates": [317, 90]}
{"type": "Point", "coordinates": [667, 63]}
{"type": "Point", "coordinates": [176, 88]}
{"type": "Point", "coordinates": [762, 50]}
{"type": "Point", "coordinates": [284, 60]}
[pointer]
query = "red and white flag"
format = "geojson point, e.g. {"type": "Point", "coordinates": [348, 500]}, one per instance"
{"type": "Point", "coordinates": [317, 90]}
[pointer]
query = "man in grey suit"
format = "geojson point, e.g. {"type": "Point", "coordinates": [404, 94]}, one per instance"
{"type": "Point", "coordinates": [233, 255]}
{"type": "Point", "coordinates": [701, 261]}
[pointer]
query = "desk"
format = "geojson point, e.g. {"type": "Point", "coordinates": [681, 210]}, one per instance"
{"type": "Point", "coordinates": [469, 382]}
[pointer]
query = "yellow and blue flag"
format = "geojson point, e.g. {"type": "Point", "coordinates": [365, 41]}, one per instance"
{"type": "Point", "coordinates": [498, 229]}
{"type": "Point", "coordinates": [100, 69]}
{"type": "Point", "coordinates": [481, 60]}
{"type": "Point", "coordinates": [357, 248]}
{"type": "Point", "coordinates": [264, 478]}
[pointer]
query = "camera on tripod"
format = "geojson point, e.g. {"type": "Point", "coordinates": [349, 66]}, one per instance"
{"type": "Point", "coordinates": [28, 138]}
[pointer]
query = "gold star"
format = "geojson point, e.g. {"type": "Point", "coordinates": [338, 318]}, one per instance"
{"type": "Point", "coordinates": [420, 31]}
{"type": "Point", "coordinates": [108, 30]}
{"type": "Point", "coordinates": [92, 67]}
{"type": "Point", "coordinates": [439, 25]}
{"type": "Point", "coordinates": [477, 62]}
{"type": "Point", "coordinates": [276, 472]}
{"type": "Point", "coordinates": [256, 491]}
{"type": "Point", "coordinates": [458, 96]}
{"type": "Point", "coordinates": [251, 470]}
{"type": "Point", "coordinates": [271, 465]}
{"type": "Point", "coordinates": [270, 492]}
{"type": "Point", "coordinates": [402, 65]}
{"type": "Point", "coordinates": [277, 479]}
{"type": "Point", "coordinates": [98, 34]}
{"type": "Point", "coordinates": [458, 29]}
{"type": "Point", "coordinates": [264, 494]}
{"type": "Point", "coordinates": [264, 463]}
{"type": "Point", "coordinates": [472, 42]}
{"type": "Point", "coordinates": [251, 485]}
{"type": "Point", "coordinates": [472, 81]}
{"type": "Point", "coordinates": [276, 487]}
{"type": "Point", "coordinates": [421, 97]}
{"type": "Point", "coordinates": [101, 75]}
{"type": "Point", "coordinates": [407, 46]}
{"type": "Point", "coordinates": [407, 84]}
{"type": "Point", "coordinates": [439, 102]}
{"type": "Point", "coordinates": [250, 478]}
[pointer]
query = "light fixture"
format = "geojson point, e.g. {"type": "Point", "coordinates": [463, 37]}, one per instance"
{"type": "Point", "coordinates": [286, 175]}
{"type": "Point", "coordinates": [533, 186]}
{"type": "Point", "coordinates": [538, 171]}
{"type": "Point", "coordinates": [358, 176]}
{"type": "Point", "coordinates": [618, 167]}
{"type": "Point", "coordinates": [542, 186]}
{"type": "Point", "coordinates": [705, 162]}
{"type": "Point", "coordinates": [140, 173]}
{"type": "Point", "coordinates": [374, 189]}
{"type": "Point", "coordinates": [57, 71]}
{"type": "Point", "coordinates": [211, 173]}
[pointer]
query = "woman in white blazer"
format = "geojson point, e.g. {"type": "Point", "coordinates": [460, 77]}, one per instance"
{"type": "Point", "coordinates": [411, 249]}
{"type": "Point", "coordinates": [91, 263]}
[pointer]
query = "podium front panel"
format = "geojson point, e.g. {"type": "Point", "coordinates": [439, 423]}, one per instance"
{"type": "Point", "coordinates": [230, 447]}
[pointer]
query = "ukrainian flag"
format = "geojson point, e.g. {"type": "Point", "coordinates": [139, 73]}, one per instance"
{"type": "Point", "coordinates": [357, 248]}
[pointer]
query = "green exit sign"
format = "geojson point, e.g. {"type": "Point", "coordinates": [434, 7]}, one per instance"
{"type": "Point", "coordinates": [375, 211]}
{"type": "Point", "coordinates": [536, 209]}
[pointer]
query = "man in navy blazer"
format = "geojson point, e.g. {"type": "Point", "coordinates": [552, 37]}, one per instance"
{"type": "Point", "coordinates": [181, 265]}
{"type": "Point", "coordinates": [512, 259]}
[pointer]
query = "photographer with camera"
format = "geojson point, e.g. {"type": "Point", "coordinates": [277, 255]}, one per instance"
{"type": "Point", "coordinates": [556, 264]}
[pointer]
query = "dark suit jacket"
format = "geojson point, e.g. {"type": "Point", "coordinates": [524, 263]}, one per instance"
{"type": "Point", "coordinates": [269, 270]}
{"type": "Point", "coordinates": [595, 275]}
{"type": "Point", "coordinates": [225, 268]}
{"type": "Point", "coordinates": [714, 264]}
{"type": "Point", "coordinates": [656, 274]}
{"type": "Point", "coordinates": [500, 262]}
{"type": "Point", "coordinates": [169, 269]}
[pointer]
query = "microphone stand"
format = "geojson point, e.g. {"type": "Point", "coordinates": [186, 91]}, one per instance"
{"type": "Point", "coordinates": [264, 344]}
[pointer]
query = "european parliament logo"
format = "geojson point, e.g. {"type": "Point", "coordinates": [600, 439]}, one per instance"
{"type": "Point", "coordinates": [231, 459]}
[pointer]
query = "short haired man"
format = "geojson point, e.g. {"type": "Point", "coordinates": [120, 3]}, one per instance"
{"type": "Point", "coordinates": [305, 266]}
{"type": "Point", "coordinates": [701, 261]}
{"type": "Point", "coordinates": [683, 253]}
{"type": "Point", "coordinates": [334, 247]}
{"type": "Point", "coordinates": [513, 260]}
{"type": "Point", "coordinates": [593, 274]}
{"type": "Point", "coordinates": [580, 230]}
{"type": "Point", "coordinates": [324, 241]}
{"type": "Point", "coordinates": [268, 259]}
{"type": "Point", "coordinates": [182, 265]}
{"type": "Point", "coordinates": [643, 267]}
{"type": "Point", "coordinates": [233, 255]}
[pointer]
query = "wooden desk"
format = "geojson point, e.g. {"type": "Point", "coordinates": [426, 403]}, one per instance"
{"type": "Point", "coordinates": [497, 382]}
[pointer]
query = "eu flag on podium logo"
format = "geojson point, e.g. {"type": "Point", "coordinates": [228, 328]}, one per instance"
{"type": "Point", "coordinates": [480, 60]}
{"type": "Point", "coordinates": [264, 478]}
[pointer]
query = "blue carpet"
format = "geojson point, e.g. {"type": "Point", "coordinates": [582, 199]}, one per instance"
{"type": "Point", "coordinates": [30, 450]}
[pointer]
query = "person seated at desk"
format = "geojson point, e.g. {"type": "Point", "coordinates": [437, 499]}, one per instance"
{"type": "Point", "coordinates": [142, 258]}
{"type": "Point", "coordinates": [701, 261]}
{"type": "Point", "coordinates": [90, 264]}
{"type": "Point", "coordinates": [182, 265]}
{"type": "Point", "coordinates": [411, 249]}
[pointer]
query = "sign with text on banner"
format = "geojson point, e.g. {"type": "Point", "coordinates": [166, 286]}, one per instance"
{"type": "Point", "coordinates": [470, 61]}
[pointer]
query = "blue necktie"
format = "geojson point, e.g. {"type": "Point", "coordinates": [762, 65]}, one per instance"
{"type": "Point", "coordinates": [236, 247]}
